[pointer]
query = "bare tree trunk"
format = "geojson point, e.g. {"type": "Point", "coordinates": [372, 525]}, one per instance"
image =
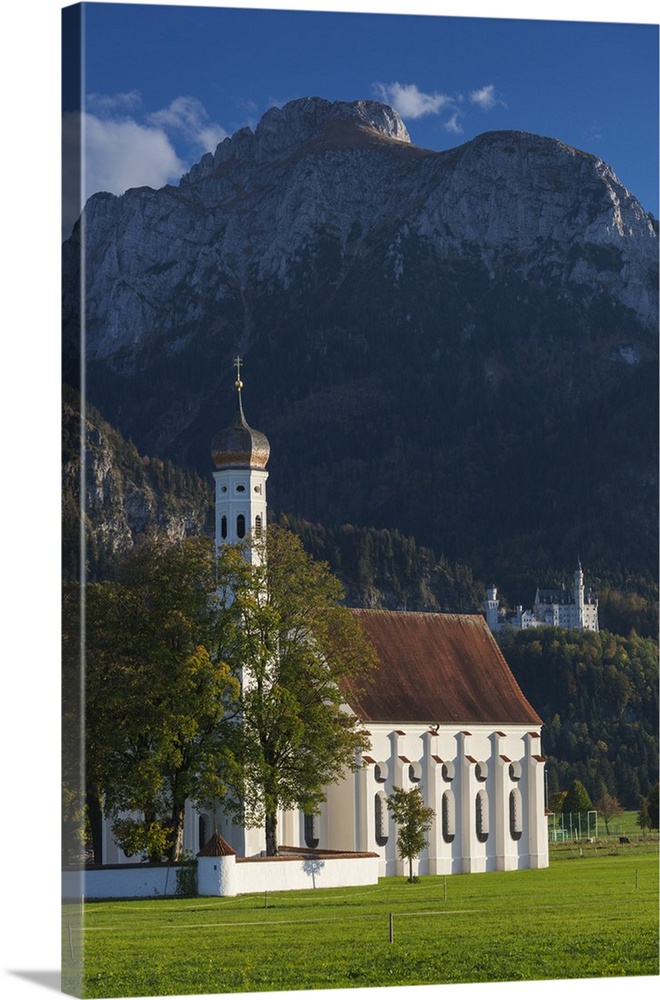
{"type": "Point", "coordinates": [271, 834]}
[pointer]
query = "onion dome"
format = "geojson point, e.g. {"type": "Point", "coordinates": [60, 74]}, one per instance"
{"type": "Point", "coordinates": [239, 446]}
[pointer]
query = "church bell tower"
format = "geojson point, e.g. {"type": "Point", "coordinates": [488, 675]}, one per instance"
{"type": "Point", "coordinates": [240, 455]}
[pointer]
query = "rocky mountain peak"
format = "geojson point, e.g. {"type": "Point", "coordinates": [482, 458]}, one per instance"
{"type": "Point", "coordinates": [283, 130]}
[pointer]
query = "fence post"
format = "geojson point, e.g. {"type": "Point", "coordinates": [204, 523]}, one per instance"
{"type": "Point", "coordinates": [391, 927]}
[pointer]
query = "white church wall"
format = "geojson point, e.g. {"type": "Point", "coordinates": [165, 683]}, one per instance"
{"type": "Point", "coordinates": [468, 777]}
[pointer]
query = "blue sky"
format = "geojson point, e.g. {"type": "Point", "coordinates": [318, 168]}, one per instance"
{"type": "Point", "coordinates": [163, 83]}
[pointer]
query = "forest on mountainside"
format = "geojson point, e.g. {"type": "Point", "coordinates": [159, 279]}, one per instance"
{"type": "Point", "coordinates": [597, 694]}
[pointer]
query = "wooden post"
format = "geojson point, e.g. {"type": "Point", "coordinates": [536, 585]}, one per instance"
{"type": "Point", "coordinates": [391, 927]}
{"type": "Point", "coordinates": [445, 890]}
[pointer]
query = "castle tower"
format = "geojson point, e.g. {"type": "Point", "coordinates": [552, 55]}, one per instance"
{"type": "Point", "coordinates": [578, 594]}
{"type": "Point", "coordinates": [240, 455]}
{"type": "Point", "coordinates": [492, 609]}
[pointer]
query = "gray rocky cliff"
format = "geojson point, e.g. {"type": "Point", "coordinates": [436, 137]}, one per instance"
{"type": "Point", "coordinates": [459, 344]}
{"type": "Point", "coordinates": [124, 494]}
{"type": "Point", "coordinates": [253, 218]}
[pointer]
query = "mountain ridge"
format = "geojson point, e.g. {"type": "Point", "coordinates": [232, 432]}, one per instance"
{"type": "Point", "coordinates": [483, 313]}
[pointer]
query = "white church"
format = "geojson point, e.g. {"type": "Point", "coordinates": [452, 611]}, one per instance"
{"type": "Point", "coordinates": [443, 711]}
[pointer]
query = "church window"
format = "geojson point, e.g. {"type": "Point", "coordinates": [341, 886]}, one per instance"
{"type": "Point", "coordinates": [257, 489]}
{"type": "Point", "coordinates": [448, 817]}
{"type": "Point", "coordinates": [380, 818]}
{"type": "Point", "coordinates": [240, 488]}
{"type": "Point", "coordinates": [515, 813]}
{"type": "Point", "coordinates": [415, 771]}
{"type": "Point", "coordinates": [380, 771]}
{"type": "Point", "coordinates": [257, 526]}
{"type": "Point", "coordinates": [481, 770]}
{"type": "Point", "coordinates": [311, 830]}
{"type": "Point", "coordinates": [240, 525]}
{"type": "Point", "coordinates": [481, 817]}
{"type": "Point", "coordinates": [448, 771]}
{"type": "Point", "coordinates": [202, 831]}
{"type": "Point", "coordinates": [223, 526]}
{"type": "Point", "coordinates": [515, 770]}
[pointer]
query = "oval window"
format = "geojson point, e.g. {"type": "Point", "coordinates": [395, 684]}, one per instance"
{"type": "Point", "coordinates": [381, 771]}
{"type": "Point", "coordinates": [415, 771]}
{"type": "Point", "coordinates": [481, 770]}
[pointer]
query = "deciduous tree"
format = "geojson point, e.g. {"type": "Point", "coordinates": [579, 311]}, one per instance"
{"type": "Point", "coordinates": [414, 820]}
{"type": "Point", "coordinates": [293, 642]}
{"type": "Point", "coordinates": [608, 807]}
{"type": "Point", "coordinates": [157, 691]}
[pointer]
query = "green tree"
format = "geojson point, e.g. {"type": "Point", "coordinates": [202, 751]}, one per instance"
{"type": "Point", "coordinates": [577, 799]}
{"type": "Point", "coordinates": [644, 816]}
{"type": "Point", "coordinates": [653, 806]}
{"type": "Point", "coordinates": [292, 644]}
{"type": "Point", "coordinates": [414, 820]}
{"type": "Point", "coordinates": [608, 807]}
{"type": "Point", "coordinates": [157, 693]}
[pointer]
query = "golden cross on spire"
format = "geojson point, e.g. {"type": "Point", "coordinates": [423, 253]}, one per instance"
{"type": "Point", "coordinates": [237, 363]}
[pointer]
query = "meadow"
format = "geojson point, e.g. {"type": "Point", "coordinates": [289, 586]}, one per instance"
{"type": "Point", "coordinates": [592, 913]}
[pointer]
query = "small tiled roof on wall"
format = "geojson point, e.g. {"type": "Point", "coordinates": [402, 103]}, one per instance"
{"type": "Point", "coordinates": [436, 668]}
{"type": "Point", "coordinates": [216, 847]}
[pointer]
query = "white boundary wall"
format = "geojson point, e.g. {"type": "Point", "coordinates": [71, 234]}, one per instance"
{"type": "Point", "coordinates": [120, 881]}
{"type": "Point", "coordinates": [224, 876]}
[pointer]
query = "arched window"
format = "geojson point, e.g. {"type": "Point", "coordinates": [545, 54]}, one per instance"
{"type": "Point", "coordinates": [202, 832]}
{"type": "Point", "coordinates": [311, 830]}
{"type": "Point", "coordinates": [240, 525]}
{"type": "Point", "coordinates": [515, 813]}
{"type": "Point", "coordinates": [380, 818]}
{"type": "Point", "coordinates": [223, 526]}
{"type": "Point", "coordinates": [257, 526]}
{"type": "Point", "coordinates": [448, 817]}
{"type": "Point", "coordinates": [481, 817]}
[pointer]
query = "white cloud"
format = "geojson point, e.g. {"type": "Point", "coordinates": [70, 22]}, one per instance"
{"type": "Point", "coordinates": [453, 124]}
{"type": "Point", "coordinates": [187, 116]}
{"type": "Point", "coordinates": [104, 104]}
{"type": "Point", "coordinates": [124, 154]}
{"type": "Point", "coordinates": [410, 102]}
{"type": "Point", "coordinates": [485, 97]}
{"type": "Point", "coordinates": [125, 147]}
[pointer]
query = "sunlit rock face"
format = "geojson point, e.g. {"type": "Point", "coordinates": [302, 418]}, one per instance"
{"type": "Point", "coordinates": [251, 219]}
{"type": "Point", "coordinates": [396, 307]}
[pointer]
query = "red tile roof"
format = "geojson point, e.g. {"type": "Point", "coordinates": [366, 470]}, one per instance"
{"type": "Point", "coordinates": [436, 668]}
{"type": "Point", "coordinates": [216, 847]}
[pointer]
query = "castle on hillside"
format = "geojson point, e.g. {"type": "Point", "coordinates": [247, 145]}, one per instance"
{"type": "Point", "coordinates": [563, 607]}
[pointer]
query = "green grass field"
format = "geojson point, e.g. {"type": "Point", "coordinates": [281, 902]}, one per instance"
{"type": "Point", "coordinates": [585, 916]}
